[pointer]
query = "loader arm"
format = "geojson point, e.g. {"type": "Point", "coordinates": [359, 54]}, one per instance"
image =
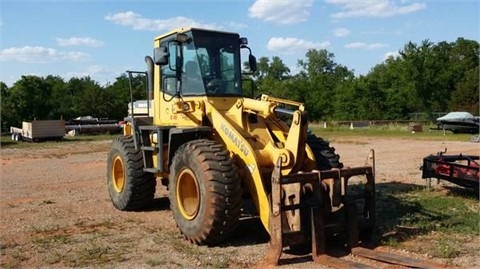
{"type": "Point", "coordinates": [244, 153]}
{"type": "Point", "coordinates": [292, 149]}
{"type": "Point", "coordinates": [293, 137]}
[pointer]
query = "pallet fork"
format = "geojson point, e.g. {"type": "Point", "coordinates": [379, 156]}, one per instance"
{"type": "Point", "coordinates": [322, 192]}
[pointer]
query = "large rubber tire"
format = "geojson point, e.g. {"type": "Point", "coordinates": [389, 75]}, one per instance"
{"type": "Point", "coordinates": [324, 154]}
{"type": "Point", "coordinates": [130, 188]}
{"type": "Point", "coordinates": [205, 192]}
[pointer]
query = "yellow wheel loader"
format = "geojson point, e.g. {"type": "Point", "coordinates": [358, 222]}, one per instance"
{"type": "Point", "coordinates": [213, 146]}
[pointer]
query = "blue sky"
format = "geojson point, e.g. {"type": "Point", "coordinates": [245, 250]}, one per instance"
{"type": "Point", "coordinates": [103, 38]}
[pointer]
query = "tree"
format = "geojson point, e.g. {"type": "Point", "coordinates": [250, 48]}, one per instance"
{"type": "Point", "coordinates": [464, 65]}
{"type": "Point", "coordinates": [360, 99]}
{"type": "Point", "coordinates": [428, 78]}
{"type": "Point", "coordinates": [466, 94]}
{"type": "Point", "coordinates": [29, 97]}
{"type": "Point", "coordinates": [322, 77]}
{"type": "Point", "coordinates": [89, 98]}
{"type": "Point", "coordinates": [269, 77]}
{"type": "Point", "coordinates": [61, 99]}
{"type": "Point", "coordinates": [119, 95]}
{"type": "Point", "coordinates": [6, 117]}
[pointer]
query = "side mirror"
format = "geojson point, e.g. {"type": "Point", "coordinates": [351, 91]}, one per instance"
{"type": "Point", "coordinates": [252, 62]}
{"type": "Point", "coordinates": [243, 41]}
{"type": "Point", "coordinates": [160, 56]}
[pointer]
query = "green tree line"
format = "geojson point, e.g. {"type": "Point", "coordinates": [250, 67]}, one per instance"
{"type": "Point", "coordinates": [51, 97]}
{"type": "Point", "coordinates": [425, 77]}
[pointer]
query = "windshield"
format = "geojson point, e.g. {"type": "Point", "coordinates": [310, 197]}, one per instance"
{"type": "Point", "coordinates": [211, 64]}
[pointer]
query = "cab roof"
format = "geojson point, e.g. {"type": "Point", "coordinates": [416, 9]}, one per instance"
{"type": "Point", "coordinates": [186, 29]}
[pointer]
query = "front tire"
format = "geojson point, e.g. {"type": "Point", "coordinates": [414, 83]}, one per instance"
{"type": "Point", "coordinates": [130, 188]}
{"type": "Point", "coordinates": [324, 154]}
{"type": "Point", "coordinates": [205, 192]}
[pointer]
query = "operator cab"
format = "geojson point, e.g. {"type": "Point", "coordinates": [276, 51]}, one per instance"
{"type": "Point", "coordinates": [199, 62]}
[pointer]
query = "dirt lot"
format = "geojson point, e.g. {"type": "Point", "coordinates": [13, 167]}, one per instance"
{"type": "Point", "coordinates": [56, 212]}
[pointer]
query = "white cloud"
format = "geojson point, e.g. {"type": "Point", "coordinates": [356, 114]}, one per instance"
{"type": "Point", "coordinates": [365, 46]}
{"type": "Point", "coordinates": [391, 54]}
{"type": "Point", "coordinates": [79, 41]}
{"type": "Point", "coordinates": [341, 32]}
{"type": "Point", "coordinates": [137, 22]}
{"type": "Point", "coordinates": [374, 8]}
{"type": "Point", "coordinates": [38, 54]}
{"type": "Point", "coordinates": [281, 11]}
{"type": "Point", "coordinates": [291, 45]}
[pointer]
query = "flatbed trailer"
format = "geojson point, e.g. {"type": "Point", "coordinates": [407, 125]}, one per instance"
{"type": "Point", "coordinates": [459, 169]}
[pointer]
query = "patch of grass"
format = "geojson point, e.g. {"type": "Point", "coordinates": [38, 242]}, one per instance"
{"type": "Point", "coordinates": [6, 142]}
{"type": "Point", "coordinates": [95, 254]}
{"type": "Point", "coordinates": [187, 248]}
{"type": "Point", "coordinates": [152, 262]}
{"type": "Point", "coordinates": [408, 214]}
{"type": "Point", "coordinates": [19, 256]}
{"type": "Point", "coordinates": [46, 229]}
{"type": "Point", "coordinates": [218, 261]}
{"type": "Point", "coordinates": [93, 227]}
{"type": "Point", "coordinates": [12, 258]}
{"type": "Point", "coordinates": [202, 254]}
{"type": "Point", "coordinates": [54, 257]}
{"type": "Point", "coordinates": [53, 239]}
{"type": "Point", "coordinates": [437, 212]}
{"type": "Point", "coordinates": [48, 202]}
{"type": "Point", "coordinates": [447, 248]}
{"type": "Point", "coordinates": [392, 131]}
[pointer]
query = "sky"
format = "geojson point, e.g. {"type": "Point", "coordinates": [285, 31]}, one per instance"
{"type": "Point", "coordinates": [104, 38]}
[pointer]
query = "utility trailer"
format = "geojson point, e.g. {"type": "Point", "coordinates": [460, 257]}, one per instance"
{"type": "Point", "coordinates": [460, 169]}
{"type": "Point", "coordinates": [39, 130]}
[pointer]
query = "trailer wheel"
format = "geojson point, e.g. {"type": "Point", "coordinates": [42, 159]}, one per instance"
{"type": "Point", "coordinates": [205, 192]}
{"type": "Point", "coordinates": [324, 154]}
{"type": "Point", "coordinates": [130, 188]}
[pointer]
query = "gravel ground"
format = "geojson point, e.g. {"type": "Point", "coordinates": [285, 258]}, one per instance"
{"type": "Point", "coordinates": [56, 211]}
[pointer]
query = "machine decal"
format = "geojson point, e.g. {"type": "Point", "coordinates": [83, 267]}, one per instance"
{"type": "Point", "coordinates": [235, 140]}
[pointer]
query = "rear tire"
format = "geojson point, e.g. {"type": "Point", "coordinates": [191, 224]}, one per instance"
{"type": "Point", "coordinates": [205, 192]}
{"type": "Point", "coordinates": [130, 188]}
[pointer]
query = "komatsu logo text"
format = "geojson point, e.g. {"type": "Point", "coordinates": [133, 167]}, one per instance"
{"type": "Point", "coordinates": [235, 140]}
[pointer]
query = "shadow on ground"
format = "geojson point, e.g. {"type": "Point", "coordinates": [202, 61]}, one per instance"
{"type": "Point", "coordinates": [391, 211]}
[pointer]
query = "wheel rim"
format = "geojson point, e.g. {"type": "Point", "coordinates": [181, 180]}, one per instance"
{"type": "Point", "coordinates": [187, 193]}
{"type": "Point", "coordinates": [118, 175]}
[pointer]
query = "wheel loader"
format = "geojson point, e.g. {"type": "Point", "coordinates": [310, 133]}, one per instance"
{"type": "Point", "coordinates": [214, 146]}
